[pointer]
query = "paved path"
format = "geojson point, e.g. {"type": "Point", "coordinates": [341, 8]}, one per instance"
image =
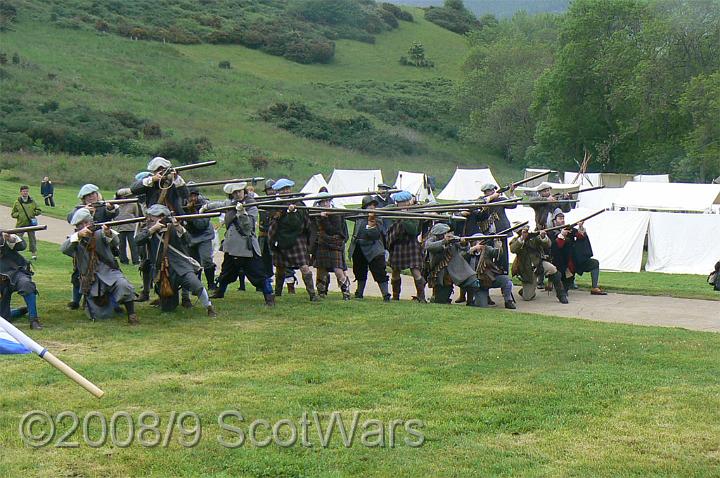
{"type": "Point", "coordinates": [690, 314]}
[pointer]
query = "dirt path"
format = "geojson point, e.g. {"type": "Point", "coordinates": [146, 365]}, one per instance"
{"type": "Point", "coordinates": [690, 314]}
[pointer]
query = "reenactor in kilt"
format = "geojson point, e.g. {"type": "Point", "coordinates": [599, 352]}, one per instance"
{"type": "Point", "coordinates": [174, 268]}
{"type": "Point", "coordinates": [328, 249]}
{"type": "Point", "coordinates": [405, 249]}
{"type": "Point", "coordinates": [16, 276]}
{"type": "Point", "coordinates": [101, 281]}
{"type": "Point", "coordinates": [240, 246]}
{"type": "Point", "coordinates": [367, 249]}
{"type": "Point", "coordinates": [289, 235]}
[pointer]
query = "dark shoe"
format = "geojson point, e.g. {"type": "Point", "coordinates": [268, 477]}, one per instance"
{"type": "Point", "coordinates": [510, 304]}
{"type": "Point", "coordinates": [217, 294]}
{"type": "Point", "coordinates": [314, 298]}
{"type": "Point", "coordinates": [269, 300]}
{"type": "Point", "coordinates": [186, 302]}
{"type": "Point", "coordinates": [541, 286]}
{"type": "Point", "coordinates": [563, 299]}
{"type": "Point", "coordinates": [490, 301]}
{"type": "Point", "coordinates": [597, 291]}
{"type": "Point", "coordinates": [124, 261]}
{"type": "Point", "coordinates": [133, 319]}
{"type": "Point", "coordinates": [143, 297]}
{"type": "Point", "coordinates": [73, 305]}
{"type": "Point", "coordinates": [396, 288]}
{"type": "Point", "coordinates": [211, 311]}
{"type": "Point", "coordinates": [242, 287]}
{"type": "Point", "coordinates": [386, 298]}
{"type": "Point", "coordinates": [463, 297]}
{"type": "Point", "coordinates": [291, 288]}
{"type": "Point", "coordinates": [21, 311]}
{"type": "Point", "coordinates": [35, 324]}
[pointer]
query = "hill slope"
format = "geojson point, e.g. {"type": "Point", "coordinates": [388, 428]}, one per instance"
{"type": "Point", "coordinates": [182, 89]}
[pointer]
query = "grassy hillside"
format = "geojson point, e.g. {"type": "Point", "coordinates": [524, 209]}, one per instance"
{"type": "Point", "coordinates": [182, 89]}
{"type": "Point", "coordinates": [500, 393]}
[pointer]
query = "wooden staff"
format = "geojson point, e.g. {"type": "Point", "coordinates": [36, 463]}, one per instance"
{"type": "Point", "coordinates": [110, 201]}
{"type": "Point", "coordinates": [522, 181]}
{"type": "Point", "coordinates": [21, 230]}
{"type": "Point", "coordinates": [33, 346]}
{"type": "Point", "coordinates": [222, 181]}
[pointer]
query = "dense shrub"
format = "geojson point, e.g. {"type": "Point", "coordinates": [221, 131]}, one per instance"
{"type": "Point", "coordinates": [354, 133]}
{"type": "Point", "coordinates": [74, 130]}
{"type": "Point", "coordinates": [456, 20]}
{"type": "Point", "coordinates": [299, 30]}
{"type": "Point", "coordinates": [397, 12]}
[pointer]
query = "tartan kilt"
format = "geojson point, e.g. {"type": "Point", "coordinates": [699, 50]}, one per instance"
{"type": "Point", "coordinates": [293, 257]}
{"type": "Point", "coordinates": [406, 256]}
{"type": "Point", "coordinates": [329, 259]}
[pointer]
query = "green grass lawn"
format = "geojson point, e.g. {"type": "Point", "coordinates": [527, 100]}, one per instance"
{"type": "Point", "coordinates": [499, 393]}
{"type": "Point", "coordinates": [654, 283]}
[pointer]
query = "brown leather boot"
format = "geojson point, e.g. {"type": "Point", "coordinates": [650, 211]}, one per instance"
{"type": "Point", "coordinates": [420, 291]}
{"type": "Point", "coordinates": [211, 311]}
{"type": "Point", "coordinates": [396, 287]}
{"type": "Point", "coordinates": [269, 300]}
{"type": "Point", "coordinates": [133, 319]}
{"type": "Point", "coordinates": [35, 324]}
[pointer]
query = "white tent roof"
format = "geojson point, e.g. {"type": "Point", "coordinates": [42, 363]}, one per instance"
{"type": "Point", "coordinates": [669, 196]}
{"type": "Point", "coordinates": [313, 186]}
{"type": "Point", "coordinates": [652, 178]}
{"type": "Point", "coordinates": [466, 183]}
{"type": "Point", "coordinates": [416, 183]}
{"type": "Point", "coordinates": [351, 180]}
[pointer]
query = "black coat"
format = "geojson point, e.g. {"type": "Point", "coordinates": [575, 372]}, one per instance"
{"type": "Point", "coordinates": [577, 248]}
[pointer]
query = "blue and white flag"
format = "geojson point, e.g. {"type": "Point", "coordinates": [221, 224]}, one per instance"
{"type": "Point", "coordinates": [8, 345]}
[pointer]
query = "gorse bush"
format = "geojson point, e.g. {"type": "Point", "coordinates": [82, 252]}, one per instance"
{"type": "Point", "coordinates": [353, 133]}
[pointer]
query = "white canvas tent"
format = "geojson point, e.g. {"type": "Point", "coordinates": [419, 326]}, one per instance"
{"type": "Point", "coordinates": [313, 186]}
{"type": "Point", "coordinates": [351, 180]}
{"type": "Point", "coordinates": [466, 183]}
{"type": "Point", "coordinates": [669, 197]}
{"type": "Point", "coordinates": [416, 183]}
{"type": "Point", "coordinates": [652, 178]}
{"type": "Point", "coordinates": [682, 243]}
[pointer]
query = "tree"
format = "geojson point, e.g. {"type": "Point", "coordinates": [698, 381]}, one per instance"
{"type": "Point", "coordinates": [455, 4]}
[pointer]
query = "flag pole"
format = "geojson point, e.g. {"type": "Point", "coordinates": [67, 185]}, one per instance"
{"type": "Point", "coordinates": [20, 336]}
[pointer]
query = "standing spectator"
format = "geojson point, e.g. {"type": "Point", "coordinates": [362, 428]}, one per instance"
{"type": "Point", "coordinates": [24, 211]}
{"type": "Point", "coordinates": [47, 189]}
{"type": "Point", "coordinates": [127, 231]}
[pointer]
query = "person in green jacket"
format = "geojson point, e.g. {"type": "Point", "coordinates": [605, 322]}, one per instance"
{"type": "Point", "coordinates": [25, 210]}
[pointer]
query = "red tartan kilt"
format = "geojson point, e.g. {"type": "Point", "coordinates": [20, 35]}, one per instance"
{"type": "Point", "coordinates": [406, 256]}
{"type": "Point", "coordinates": [293, 257]}
{"type": "Point", "coordinates": [329, 259]}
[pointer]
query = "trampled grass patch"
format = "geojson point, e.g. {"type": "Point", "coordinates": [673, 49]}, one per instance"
{"type": "Point", "coordinates": [499, 393]}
